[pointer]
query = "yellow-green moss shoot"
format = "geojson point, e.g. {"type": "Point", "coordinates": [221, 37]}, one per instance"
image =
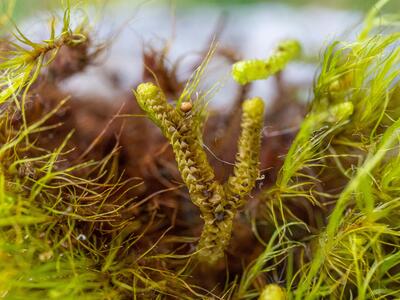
{"type": "Point", "coordinates": [217, 203]}
{"type": "Point", "coordinates": [249, 70]}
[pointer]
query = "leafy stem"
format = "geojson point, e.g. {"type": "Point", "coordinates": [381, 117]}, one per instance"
{"type": "Point", "coordinates": [217, 202]}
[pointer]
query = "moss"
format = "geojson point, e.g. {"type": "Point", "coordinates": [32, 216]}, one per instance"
{"type": "Point", "coordinates": [217, 203]}
{"type": "Point", "coordinates": [246, 71]}
{"type": "Point", "coordinates": [83, 216]}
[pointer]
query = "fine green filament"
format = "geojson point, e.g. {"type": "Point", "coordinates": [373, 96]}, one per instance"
{"type": "Point", "coordinates": [217, 203]}
{"type": "Point", "coordinates": [249, 70]}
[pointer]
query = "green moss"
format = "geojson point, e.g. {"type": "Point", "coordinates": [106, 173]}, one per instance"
{"type": "Point", "coordinates": [342, 168]}
{"type": "Point", "coordinates": [249, 70]}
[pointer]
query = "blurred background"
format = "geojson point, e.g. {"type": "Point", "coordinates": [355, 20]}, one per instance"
{"type": "Point", "coordinates": [184, 29]}
{"type": "Point", "coordinates": [26, 7]}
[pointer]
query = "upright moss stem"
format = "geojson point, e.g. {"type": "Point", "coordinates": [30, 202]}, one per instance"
{"type": "Point", "coordinates": [217, 203]}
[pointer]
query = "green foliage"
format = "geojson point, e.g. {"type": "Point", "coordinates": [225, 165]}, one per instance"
{"type": "Point", "coordinates": [342, 168]}
{"type": "Point", "coordinates": [35, 253]}
{"type": "Point", "coordinates": [349, 139]}
{"type": "Point", "coordinates": [21, 64]}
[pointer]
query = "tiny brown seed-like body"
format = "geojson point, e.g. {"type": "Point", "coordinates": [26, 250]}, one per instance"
{"type": "Point", "coordinates": [186, 107]}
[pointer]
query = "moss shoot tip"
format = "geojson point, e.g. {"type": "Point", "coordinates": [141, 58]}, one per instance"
{"type": "Point", "coordinates": [147, 90]}
{"type": "Point", "coordinates": [254, 107]}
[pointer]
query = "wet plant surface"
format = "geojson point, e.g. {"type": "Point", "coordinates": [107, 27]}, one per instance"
{"type": "Point", "coordinates": [159, 196]}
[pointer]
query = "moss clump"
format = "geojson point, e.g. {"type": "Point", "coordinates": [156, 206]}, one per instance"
{"type": "Point", "coordinates": [97, 210]}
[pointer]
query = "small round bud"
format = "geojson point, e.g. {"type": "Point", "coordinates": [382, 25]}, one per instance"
{"type": "Point", "coordinates": [272, 292]}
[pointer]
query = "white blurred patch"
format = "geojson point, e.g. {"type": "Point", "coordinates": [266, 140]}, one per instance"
{"type": "Point", "coordinates": [252, 30]}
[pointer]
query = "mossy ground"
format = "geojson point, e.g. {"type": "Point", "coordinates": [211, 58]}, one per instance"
{"type": "Point", "coordinates": [92, 205]}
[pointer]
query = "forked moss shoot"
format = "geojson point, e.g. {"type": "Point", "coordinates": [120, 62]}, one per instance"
{"type": "Point", "coordinates": [217, 202]}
